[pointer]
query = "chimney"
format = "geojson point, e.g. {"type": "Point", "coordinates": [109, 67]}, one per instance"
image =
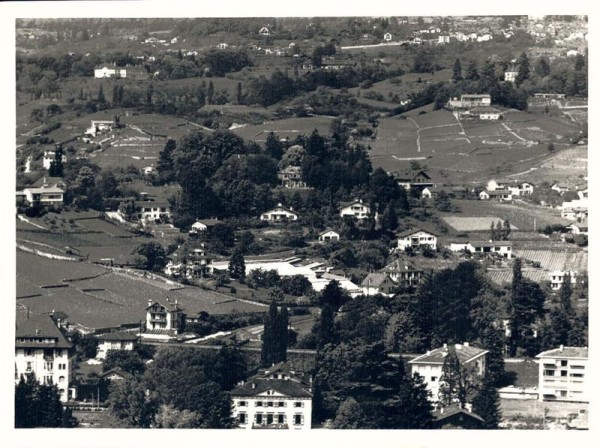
{"type": "Point", "coordinates": [469, 407]}
{"type": "Point", "coordinates": [445, 345]}
{"type": "Point", "coordinates": [253, 385]}
{"type": "Point", "coordinates": [37, 331]}
{"type": "Point", "coordinates": [149, 302]}
{"type": "Point", "coordinates": [279, 204]}
{"type": "Point", "coordinates": [561, 348]}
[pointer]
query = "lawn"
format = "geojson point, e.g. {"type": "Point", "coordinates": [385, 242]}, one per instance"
{"type": "Point", "coordinates": [288, 128]}
{"type": "Point", "coordinates": [472, 223]}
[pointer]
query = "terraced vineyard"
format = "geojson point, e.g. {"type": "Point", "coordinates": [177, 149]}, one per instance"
{"type": "Point", "coordinates": [557, 261]}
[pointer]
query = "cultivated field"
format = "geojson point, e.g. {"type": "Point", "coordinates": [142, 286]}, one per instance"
{"type": "Point", "coordinates": [288, 128]}
{"type": "Point", "coordinates": [557, 260]}
{"type": "Point", "coordinates": [472, 224]}
{"type": "Point", "coordinates": [522, 215]}
{"type": "Point", "coordinates": [94, 296]}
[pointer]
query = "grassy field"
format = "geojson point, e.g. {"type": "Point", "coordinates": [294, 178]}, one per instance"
{"type": "Point", "coordinates": [472, 223]}
{"type": "Point", "coordinates": [288, 128]}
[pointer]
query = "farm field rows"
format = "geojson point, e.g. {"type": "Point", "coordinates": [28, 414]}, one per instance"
{"type": "Point", "coordinates": [473, 223]}
{"type": "Point", "coordinates": [42, 271]}
{"type": "Point", "coordinates": [555, 260]}
{"type": "Point", "coordinates": [505, 276]}
{"type": "Point", "coordinates": [523, 216]}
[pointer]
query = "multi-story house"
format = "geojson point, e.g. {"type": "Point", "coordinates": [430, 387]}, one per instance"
{"type": "Point", "coordinates": [404, 273]}
{"type": "Point", "coordinates": [357, 209]}
{"type": "Point", "coordinates": [106, 72]}
{"type": "Point", "coordinates": [413, 179]}
{"type": "Point", "coordinates": [429, 366]}
{"type": "Point", "coordinates": [501, 248]}
{"type": "Point", "coordinates": [470, 100]}
{"type": "Point", "coordinates": [50, 156]}
{"type": "Point", "coordinates": [563, 374]}
{"type": "Point", "coordinates": [416, 238]}
{"type": "Point", "coordinates": [378, 283]}
{"type": "Point", "coordinates": [42, 350]}
{"type": "Point", "coordinates": [557, 278]}
{"type": "Point", "coordinates": [45, 196]}
{"type": "Point", "coordinates": [291, 177]}
{"type": "Point", "coordinates": [152, 210]}
{"type": "Point", "coordinates": [277, 398]}
{"type": "Point", "coordinates": [496, 195]}
{"type": "Point", "coordinates": [164, 317]}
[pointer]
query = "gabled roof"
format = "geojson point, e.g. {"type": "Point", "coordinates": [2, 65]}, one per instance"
{"type": "Point", "coordinates": [565, 352]}
{"type": "Point", "coordinates": [327, 231]}
{"type": "Point", "coordinates": [464, 353]}
{"type": "Point", "coordinates": [42, 190]}
{"type": "Point", "coordinates": [207, 222]}
{"type": "Point", "coordinates": [409, 232]}
{"type": "Point", "coordinates": [169, 305]}
{"type": "Point", "coordinates": [356, 201]}
{"type": "Point", "coordinates": [257, 386]}
{"type": "Point", "coordinates": [117, 371]}
{"type": "Point", "coordinates": [375, 279]}
{"type": "Point", "coordinates": [152, 204]}
{"type": "Point", "coordinates": [48, 181]}
{"type": "Point", "coordinates": [118, 336]}
{"type": "Point", "coordinates": [402, 266]}
{"type": "Point", "coordinates": [39, 326]}
{"type": "Point", "coordinates": [409, 174]}
{"type": "Point", "coordinates": [449, 411]}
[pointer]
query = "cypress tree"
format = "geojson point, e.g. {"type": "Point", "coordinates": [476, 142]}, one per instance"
{"type": "Point", "coordinates": [282, 339]}
{"type": "Point", "coordinates": [452, 388]}
{"type": "Point", "coordinates": [486, 404]}
{"type": "Point", "coordinates": [457, 71]}
{"type": "Point", "coordinates": [270, 336]}
{"type": "Point", "coordinates": [326, 326]}
{"type": "Point", "coordinates": [101, 98]}
{"type": "Point", "coordinates": [237, 265]}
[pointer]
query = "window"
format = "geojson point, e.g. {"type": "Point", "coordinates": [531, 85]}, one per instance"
{"type": "Point", "coordinates": [258, 404]}
{"type": "Point", "coordinates": [563, 373]}
{"type": "Point", "coordinates": [28, 352]}
{"type": "Point", "coordinates": [563, 363]}
{"type": "Point", "coordinates": [269, 419]}
{"type": "Point", "coordinates": [280, 418]}
{"type": "Point", "coordinates": [259, 418]}
{"type": "Point", "coordinates": [241, 403]}
{"type": "Point", "coordinates": [269, 404]}
{"type": "Point", "coordinates": [298, 404]}
{"type": "Point", "coordinates": [242, 418]}
{"type": "Point", "coordinates": [298, 419]}
{"type": "Point", "coordinates": [548, 372]}
{"type": "Point", "coordinates": [433, 378]}
{"type": "Point", "coordinates": [48, 365]}
{"type": "Point", "coordinates": [28, 366]}
{"type": "Point", "coordinates": [281, 404]}
{"type": "Point", "coordinates": [577, 375]}
{"type": "Point", "coordinates": [61, 379]}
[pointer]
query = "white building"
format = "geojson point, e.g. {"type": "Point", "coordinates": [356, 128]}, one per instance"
{"type": "Point", "coordinates": [404, 273]}
{"type": "Point", "coordinates": [291, 177]}
{"type": "Point", "coordinates": [387, 37]}
{"type": "Point", "coordinates": [106, 72]}
{"type": "Point", "coordinates": [356, 208]}
{"type": "Point", "coordinates": [41, 349]}
{"type": "Point", "coordinates": [501, 248]}
{"type": "Point", "coordinates": [98, 126]}
{"type": "Point", "coordinates": [329, 235]}
{"type": "Point", "coordinates": [152, 210]}
{"type": "Point", "coordinates": [44, 195]}
{"type": "Point", "coordinates": [416, 238]}
{"type": "Point", "coordinates": [50, 156]}
{"type": "Point", "coordinates": [510, 75]}
{"type": "Point", "coordinates": [277, 398]}
{"type": "Point", "coordinates": [279, 214]}
{"type": "Point", "coordinates": [264, 31]}
{"type": "Point", "coordinates": [563, 374]}
{"type": "Point", "coordinates": [378, 283]}
{"type": "Point", "coordinates": [429, 366]}
{"type": "Point", "coordinates": [118, 340]}
{"type": "Point", "coordinates": [470, 100]}
{"type": "Point", "coordinates": [204, 225]}
{"type": "Point", "coordinates": [497, 195]}
{"type": "Point", "coordinates": [163, 317]}
{"type": "Point", "coordinates": [557, 278]}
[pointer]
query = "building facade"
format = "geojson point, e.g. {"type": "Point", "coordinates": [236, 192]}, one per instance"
{"type": "Point", "coordinates": [563, 374]}
{"type": "Point", "coordinates": [279, 214]}
{"type": "Point", "coordinates": [357, 209]}
{"type": "Point", "coordinates": [164, 315]}
{"type": "Point", "coordinates": [277, 398]}
{"type": "Point", "coordinates": [416, 238]}
{"type": "Point", "coordinates": [118, 340]}
{"type": "Point", "coordinates": [42, 350]}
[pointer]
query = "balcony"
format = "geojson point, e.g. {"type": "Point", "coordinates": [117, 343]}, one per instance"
{"type": "Point", "coordinates": [160, 320]}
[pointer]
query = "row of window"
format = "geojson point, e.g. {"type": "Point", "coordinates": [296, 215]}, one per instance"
{"type": "Point", "coordinates": [269, 419]}
{"type": "Point", "coordinates": [48, 352]}
{"type": "Point", "coordinates": [271, 404]}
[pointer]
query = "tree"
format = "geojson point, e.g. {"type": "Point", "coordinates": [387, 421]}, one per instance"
{"type": "Point", "coordinates": [164, 165]}
{"type": "Point", "coordinates": [150, 256]}
{"type": "Point", "coordinates": [273, 147]}
{"type": "Point", "coordinates": [505, 230]}
{"type": "Point", "coordinates": [523, 69]}
{"type": "Point", "coordinates": [325, 326]}
{"type": "Point", "coordinates": [237, 265]}
{"type": "Point", "coordinates": [275, 336]}
{"type": "Point", "coordinates": [452, 388]}
{"type": "Point", "coordinates": [101, 98]}
{"type": "Point", "coordinates": [56, 165]}
{"type": "Point", "coordinates": [238, 93]}
{"type": "Point", "coordinates": [493, 340]}
{"type": "Point", "coordinates": [210, 92]}
{"type": "Point", "coordinates": [457, 71]}
{"type": "Point", "coordinates": [579, 62]}
{"type": "Point", "coordinates": [129, 361]}
{"type": "Point", "coordinates": [170, 417]}
{"type": "Point", "coordinates": [349, 416]}
{"type": "Point", "coordinates": [37, 405]}
{"type": "Point", "coordinates": [472, 73]}
{"type": "Point", "coordinates": [128, 402]}
{"type": "Point", "coordinates": [389, 219]}
{"type": "Point", "coordinates": [542, 68]}
{"type": "Point", "coordinates": [486, 404]}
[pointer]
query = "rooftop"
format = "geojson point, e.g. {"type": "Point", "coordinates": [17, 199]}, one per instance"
{"type": "Point", "coordinates": [118, 336]}
{"type": "Point", "coordinates": [258, 386]}
{"type": "Point", "coordinates": [374, 279]}
{"type": "Point", "coordinates": [465, 354]}
{"type": "Point", "coordinates": [412, 231]}
{"type": "Point", "coordinates": [565, 352]}
{"type": "Point", "coordinates": [35, 326]}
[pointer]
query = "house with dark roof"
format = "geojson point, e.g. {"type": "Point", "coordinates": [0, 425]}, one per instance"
{"type": "Point", "coordinates": [413, 179]}
{"type": "Point", "coordinates": [416, 238]}
{"type": "Point", "coordinates": [404, 273]}
{"type": "Point", "coordinates": [563, 374]}
{"type": "Point", "coordinates": [456, 416]}
{"type": "Point", "coordinates": [378, 283]}
{"type": "Point", "coordinates": [429, 365]}
{"type": "Point", "coordinates": [164, 319]}
{"type": "Point", "coordinates": [277, 397]}
{"type": "Point", "coordinates": [279, 214]}
{"type": "Point", "coordinates": [42, 350]}
{"type": "Point", "coordinates": [116, 340]}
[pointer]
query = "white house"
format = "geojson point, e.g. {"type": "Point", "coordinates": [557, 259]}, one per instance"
{"type": "Point", "coordinates": [329, 235]}
{"type": "Point", "coordinates": [152, 210]}
{"type": "Point", "coordinates": [501, 248]}
{"type": "Point", "coordinates": [264, 31]}
{"type": "Point", "coordinates": [470, 100]}
{"type": "Point", "coordinates": [522, 189]}
{"type": "Point", "coordinates": [559, 188]}
{"type": "Point", "coordinates": [557, 278]}
{"type": "Point", "coordinates": [279, 214]}
{"type": "Point", "coordinates": [387, 37]}
{"type": "Point", "coordinates": [378, 283]}
{"type": "Point", "coordinates": [204, 225]}
{"type": "Point", "coordinates": [356, 208]}
{"type": "Point", "coordinates": [118, 340]}
{"type": "Point", "coordinates": [413, 179]}
{"type": "Point", "coordinates": [563, 374]}
{"type": "Point", "coordinates": [163, 317]}
{"type": "Point", "coordinates": [510, 75]}
{"type": "Point", "coordinates": [50, 156]}
{"type": "Point", "coordinates": [98, 126]}
{"type": "Point", "coordinates": [222, 46]}
{"type": "Point", "coordinates": [578, 229]}
{"type": "Point", "coordinates": [44, 195]}
{"type": "Point", "coordinates": [291, 177]}
{"type": "Point", "coordinates": [41, 349]}
{"type": "Point", "coordinates": [106, 72]}
{"type": "Point", "coordinates": [277, 398]}
{"type": "Point", "coordinates": [416, 238]}
{"type": "Point", "coordinates": [575, 214]}
{"type": "Point", "coordinates": [429, 366]}
{"type": "Point", "coordinates": [485, 113]}
{"type": "Point", "coordinates": [572, 53]}
{"type": "Point", "coordinates": [498, 195]}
